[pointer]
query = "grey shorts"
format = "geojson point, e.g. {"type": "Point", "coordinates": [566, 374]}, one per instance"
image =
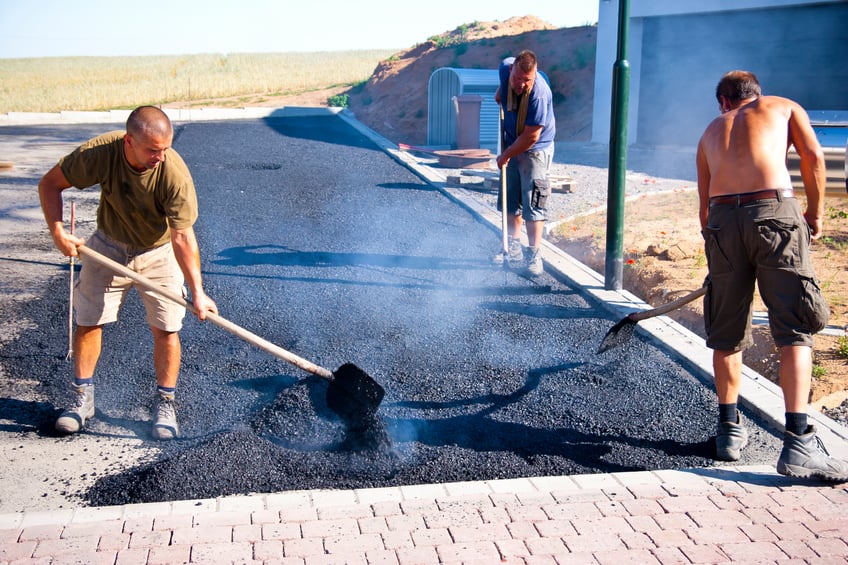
{"type": "Point", "coordinates": [528, 186]}
{"type": "Point", "coordinates": [99, 292]}
{"type": "Point", "coordinates": [767, 241]}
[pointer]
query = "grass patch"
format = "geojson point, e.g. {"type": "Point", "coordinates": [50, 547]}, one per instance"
{"type": "Point", "coordinates": [842, 347]}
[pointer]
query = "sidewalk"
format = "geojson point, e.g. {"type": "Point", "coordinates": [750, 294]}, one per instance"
{"type": "Point", "coordinates": [743, 515]}
{"type": "Point", "coordinates": [715, 515]}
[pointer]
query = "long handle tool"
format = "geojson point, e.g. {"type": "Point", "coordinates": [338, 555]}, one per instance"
{"type": "Point", "coordinates": [623, 330]}
{"type": "Point", "coordinates": [352, 394]}
{"type": "Point", "coordinates": [504, 227]}
{"type": "Point", "coordinates": [70, 354]}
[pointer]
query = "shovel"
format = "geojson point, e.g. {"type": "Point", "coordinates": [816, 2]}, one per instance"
{"type": "Point", "coordinates": [352, 394]}
{"type": "Point", "coordinates": [623, 330]}
{"type": "Point", "coordinates": [504, 226]}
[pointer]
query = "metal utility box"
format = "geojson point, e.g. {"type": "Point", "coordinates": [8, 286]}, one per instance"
{"type": "Point", "coordinates": [447, 84]}
{"type": "Point", "coordinates": [468, 120]}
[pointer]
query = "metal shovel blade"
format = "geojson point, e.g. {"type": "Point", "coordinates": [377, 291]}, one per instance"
{"type": "Point", "coordinates": [625, 328]}
{"type": "Point", "coordinates": [353, 395]}
{"type": "Point", "coordinates": [620, 333]}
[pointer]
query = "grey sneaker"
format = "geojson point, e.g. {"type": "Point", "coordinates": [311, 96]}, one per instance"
{"type": "Point", "coordinates": [731, 437]}
{"type": "Point", "coordinates": [73, 419]}
{"type": "Point", "coordinates": [534, 262]}
{"type": "Point", "coordinates": [515, 258]}
{"type": "Point", "coordinates": [165, 423]}
{"type": "Point", "coordinates": [805, 456]}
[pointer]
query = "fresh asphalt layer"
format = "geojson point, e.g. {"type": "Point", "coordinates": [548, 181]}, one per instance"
{"type": "Point", "coordinates": [318, 236]}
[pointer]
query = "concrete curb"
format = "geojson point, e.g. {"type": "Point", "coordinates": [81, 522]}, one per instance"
{"type": "Point", "coordinates": [329, 498]}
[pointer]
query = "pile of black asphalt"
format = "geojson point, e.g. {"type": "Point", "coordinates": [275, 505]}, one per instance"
{"type": "Point", "coordinates": [315, 239]}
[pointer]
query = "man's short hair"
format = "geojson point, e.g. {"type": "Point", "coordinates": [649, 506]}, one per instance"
{"type": "Point", "coordinates": [738, 85]}
{"type": "Point", "coordinates": [526, 61]}
{"type": "Point", "coordinates": [145, 121]}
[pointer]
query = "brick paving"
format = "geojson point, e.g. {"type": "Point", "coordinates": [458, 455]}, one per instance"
{"type": "Point", "coordinates": [715, 515]}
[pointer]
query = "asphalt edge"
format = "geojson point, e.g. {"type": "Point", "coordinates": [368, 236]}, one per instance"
{"type": "Point", "coordinates": [174, 114]}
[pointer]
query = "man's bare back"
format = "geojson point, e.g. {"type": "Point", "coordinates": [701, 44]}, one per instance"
{"type": "Point", "coordinates": [744, 150]}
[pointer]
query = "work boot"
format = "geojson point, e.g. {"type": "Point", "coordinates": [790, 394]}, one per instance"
{"type": "Point", "coordinates": [515, 253]}
{"type": "Point", "coordinates": [165, 422]}
{"type": "Point", "coordinates": [534, 261]}
{"type": "Point", "coordinates": [805, 456]}
{"type": "Point", "coordinates": [515, 258]}
{"type": "Point", "coordinates": [731, 437]}
{"type": "Point", "coordinates": [73, 419]}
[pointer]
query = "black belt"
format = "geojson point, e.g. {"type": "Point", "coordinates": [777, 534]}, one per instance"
{"type": "Point", "coordinates": [748, 197]}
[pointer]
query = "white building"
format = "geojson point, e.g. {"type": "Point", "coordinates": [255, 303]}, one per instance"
{"type": "Point", "coordinates": [678, 50]}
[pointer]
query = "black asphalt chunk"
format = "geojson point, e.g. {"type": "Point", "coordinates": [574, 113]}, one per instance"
{"type": "Point", "coordinates": [355, 397]}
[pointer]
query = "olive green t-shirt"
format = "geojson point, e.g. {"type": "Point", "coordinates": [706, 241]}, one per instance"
{"type": "Point", "coordinates": [135, 208]}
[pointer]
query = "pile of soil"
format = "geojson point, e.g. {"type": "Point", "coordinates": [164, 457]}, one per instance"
{"type": "Point", "coordinates": [394, 100]}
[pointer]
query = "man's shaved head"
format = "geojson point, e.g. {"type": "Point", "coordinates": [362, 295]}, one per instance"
{"type": "Point", "coordinates": [149, 121]}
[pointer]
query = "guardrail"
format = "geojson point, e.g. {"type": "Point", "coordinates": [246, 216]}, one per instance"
{"type": "Point", "coordinates": [837, 171]}
{"type": "Point", "coordinates": [831, 127]}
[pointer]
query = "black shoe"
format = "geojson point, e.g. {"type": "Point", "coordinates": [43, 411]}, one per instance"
{"type": "Point", "coordinates": [731, 438]}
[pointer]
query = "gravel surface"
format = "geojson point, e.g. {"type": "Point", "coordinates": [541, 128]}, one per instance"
{"type": "Point", "coordinates": [322, 244]}
{"type": "Point", "coordinates": [648, 170]}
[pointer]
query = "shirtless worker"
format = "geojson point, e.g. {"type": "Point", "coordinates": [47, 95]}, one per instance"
{"type": "Point", "coordinates": [754, 230]}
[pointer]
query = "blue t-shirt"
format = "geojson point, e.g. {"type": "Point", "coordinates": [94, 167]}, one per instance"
{"type": "Point", "coordinates": [540, 108]}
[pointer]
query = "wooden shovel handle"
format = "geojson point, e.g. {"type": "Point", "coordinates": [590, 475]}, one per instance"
{"type": "Point", "coordinates": [668, 307]}
{"type": "Point", "coordinates": [504, 224]}
{"type": "Point", "coordinates": [220, 321]}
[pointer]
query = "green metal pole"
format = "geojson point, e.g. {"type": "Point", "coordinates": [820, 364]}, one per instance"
{"type": "Point", "coordinates": [618, 155]}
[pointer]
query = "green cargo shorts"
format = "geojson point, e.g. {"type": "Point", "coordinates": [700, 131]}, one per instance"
{"type": "Point", "coordinates": [767, 242]}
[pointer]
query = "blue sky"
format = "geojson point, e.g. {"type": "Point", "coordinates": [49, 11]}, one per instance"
{"type": "Point", "coordinates": [59, 28]}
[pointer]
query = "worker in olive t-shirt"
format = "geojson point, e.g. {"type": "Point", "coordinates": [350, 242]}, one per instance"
{"type": "Point", "coordinates": [145, 220]}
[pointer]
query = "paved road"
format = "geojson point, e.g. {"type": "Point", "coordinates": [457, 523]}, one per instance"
{"type": "Point", "coordinates": [315, 239]}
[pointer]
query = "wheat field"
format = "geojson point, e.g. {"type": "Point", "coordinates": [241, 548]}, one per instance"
{"type": "Point", "coordinates": [53, 84]}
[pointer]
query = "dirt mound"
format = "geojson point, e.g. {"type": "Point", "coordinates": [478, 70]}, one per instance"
{"type": "Point", "coordinates": [394, 100]}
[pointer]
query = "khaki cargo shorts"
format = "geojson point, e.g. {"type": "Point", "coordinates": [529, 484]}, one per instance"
{"type": "Point", "coordinates": [99, 292]}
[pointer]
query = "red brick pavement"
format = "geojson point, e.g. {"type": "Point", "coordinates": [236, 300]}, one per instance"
{"type": "Point", "coordinates": [717, 515]}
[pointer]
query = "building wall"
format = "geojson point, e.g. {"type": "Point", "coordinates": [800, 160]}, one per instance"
{"type": "Point", "coordinates": [678, 51]}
